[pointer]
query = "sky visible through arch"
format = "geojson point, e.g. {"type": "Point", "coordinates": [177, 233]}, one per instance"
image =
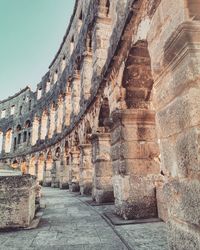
{"type": "Point", "coordinates": [31, 32]}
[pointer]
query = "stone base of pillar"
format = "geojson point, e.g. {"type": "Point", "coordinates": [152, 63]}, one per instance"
{"type": "Point", "coordinates": [86, 189]}
{"type": "Point", "coordinates": [136, 201]}
{"type": "Point", "coordinates": [55, 184]}
{"type": "Point", "coordinates": [47, 183]}
{"type": "Point", "coordinates": [103, 196]}
{"type": "Point", "coordinates": [74, 187]}
{"type": "Point", "coordinates": [64, 185]}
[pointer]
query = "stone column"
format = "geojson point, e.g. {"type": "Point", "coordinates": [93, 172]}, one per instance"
{"type": "Point", "coordinates": [86, 169]}
{"type": "Point", "coordinates": [102, 183]}
{"type": "Point", "coordinates": [55, 174]}
{"type": "Point", "coordinates": [134, 153]}
{"type": "Point", "coordinates": [64, 174]}
{"type": "Point", "coordinates": [47, 173]}
{"type": "Point", "coordinates": [74, 171]}
{"type": "Point", "coordinates": [176, 70]}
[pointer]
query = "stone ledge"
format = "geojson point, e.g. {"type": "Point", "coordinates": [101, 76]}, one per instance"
{"type": "Point", "coordinates": [117, 221]}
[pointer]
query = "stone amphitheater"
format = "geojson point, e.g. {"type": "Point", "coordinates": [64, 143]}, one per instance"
{"type": "Point", "coordinates": [117, 114]}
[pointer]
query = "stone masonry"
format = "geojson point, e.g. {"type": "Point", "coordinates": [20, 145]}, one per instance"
{"type": "Point", "coordinates": [117, 114]}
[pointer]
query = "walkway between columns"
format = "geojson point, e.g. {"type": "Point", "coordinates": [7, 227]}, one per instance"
{"type": "Point", "coordinates": [68, 223]}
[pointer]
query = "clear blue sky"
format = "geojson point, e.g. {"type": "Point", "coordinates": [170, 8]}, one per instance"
{"type": "Point", "coordinates": [30, 34]}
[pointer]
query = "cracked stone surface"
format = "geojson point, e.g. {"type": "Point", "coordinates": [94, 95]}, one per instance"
{"type": "Point", "coordinates": [68, 223]}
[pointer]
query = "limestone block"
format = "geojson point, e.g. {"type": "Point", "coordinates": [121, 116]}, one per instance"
{"type": "Point", "coordinates": [161, 201]}
{"type": "Point", "coordinates": [135, 196]}
{"type": "Point", "coordinates": [17, 201]}
{"type": "Point", "coordinates": [182, 237]}
{"type": "Point", "coordinates": [180, 114]}
{"type": "Point", "coordinates": [183, 199]}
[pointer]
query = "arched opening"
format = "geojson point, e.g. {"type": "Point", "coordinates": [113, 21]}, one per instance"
{"type": "Point", "coordinates": [39, 93]}
{"type": "Point", "coordinates": [8, 140]}
{"type": "Point", "coordinates": [58, 152]}
{"type": "Point", "coordinates": [137, 79]}
{"type": "Point", "coordinates": [136, 166]}
{"type": "Point", "coordinates": [18, 128]}
{"type": "Point", "coordinates": [28, 124]}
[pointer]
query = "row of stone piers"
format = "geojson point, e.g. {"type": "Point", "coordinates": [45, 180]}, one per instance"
{"type": "Point", "coordinates": [117, 163]}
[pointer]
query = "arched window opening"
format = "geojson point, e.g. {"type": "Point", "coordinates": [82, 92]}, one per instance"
{"type": "Point", "coordinates": [15, 143]}
{"type": "Point", "coordinates": [20, 110]}
{"type": "Point", "coordinates": [19, 128]}
{"type": "Point", "coordinates": [25, 136]}
{"type": "Point", "coordinates": [28, 124]}
{"type": "Point", "coordinates": [3, 113]}
{"type": "Point", "coordinates": [12, 110]}
{"type": "Point", "coordinates": [39, 93]}
{"type": "Point", "coordinates": [19, 139]}
{"type": "Point", "coordinates": [58, 152]}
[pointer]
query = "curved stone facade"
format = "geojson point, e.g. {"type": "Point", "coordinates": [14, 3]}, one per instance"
{"type": "Point", "coordinates": [116, 114]}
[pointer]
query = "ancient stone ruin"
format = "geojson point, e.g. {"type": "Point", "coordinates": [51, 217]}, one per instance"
{"type": "Point", "coordinates": [117, 114]}
{"type": "Point", "coordinates": [17, 198]}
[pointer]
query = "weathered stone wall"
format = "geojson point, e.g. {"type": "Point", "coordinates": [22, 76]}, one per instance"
{"type": "Point", "coordinates": [117, 113]}
{"type": "Point", "coordinates": [17, 201]}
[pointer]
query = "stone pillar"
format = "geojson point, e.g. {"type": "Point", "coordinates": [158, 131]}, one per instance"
{"type": "Point", "coordinates": [102, 32]}
{"type": "Point", "coordinates": [86, 169]}
{"type": "Point", "coordinates": [134, 153]}
{"type": "Point", "coordinates": [64, 174]}
{"type": "Point", "coordinates": [76, 93]}
{"type": "Point", "coordinates": [74, 171]}
{"type": "Point", "coordinates": [47, 173]}
{"type": "Point", "coordinates": [55, 174]}
{"type": "Point", "coordinates": [86, 77]}
{"type": "Point", "coordinates": [102, 182]}
{"type": "Point", "coordinates": [176, 70]}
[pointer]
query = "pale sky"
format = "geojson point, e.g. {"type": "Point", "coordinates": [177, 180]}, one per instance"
{"type": "Point", "coordinates": [31, 32]}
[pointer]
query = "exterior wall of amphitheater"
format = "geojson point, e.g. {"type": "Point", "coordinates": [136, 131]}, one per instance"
{"type": "Point", "coordinates": [117, 114]}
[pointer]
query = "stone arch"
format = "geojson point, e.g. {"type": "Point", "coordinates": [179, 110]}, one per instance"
{"type": "Point", "coordinates": [136, 125]}
{"type": "Point", "coordinates": [28, 124]}
{"type": "Point", "coordinates": [137, 78]}
{"type": "Point", "coordinates": [18, 128]}
{"type": "Point", "coordinates": [58, 152]}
